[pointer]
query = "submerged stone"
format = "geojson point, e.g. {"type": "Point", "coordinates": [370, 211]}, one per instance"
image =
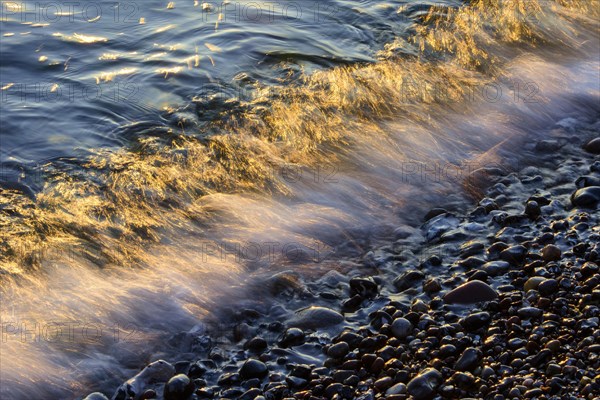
{"type": "Point", "coordinates": [316, 317]}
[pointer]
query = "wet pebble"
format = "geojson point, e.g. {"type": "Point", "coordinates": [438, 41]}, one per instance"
{"type": "Point", "coordinates": [471, 292]}
{"type": "Point", "coordinates": [425, 384]}
{"type": "Point", "coordinates": [178, 387]}
{"type": "Point", "coordinates": [253, 369]}
{"type": "Point", "coordinates": [593, 146]}
{"type": "Point", "coordinates": [401, 328]}
{"type": "Point", "coordinates": [587, 197]}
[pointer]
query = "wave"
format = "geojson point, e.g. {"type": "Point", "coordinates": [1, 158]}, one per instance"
{"type": "Point", "coordinates": [121, 198]}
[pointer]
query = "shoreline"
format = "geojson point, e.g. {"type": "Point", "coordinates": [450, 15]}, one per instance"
{"type": "Point", "coordinates": [400, 334]}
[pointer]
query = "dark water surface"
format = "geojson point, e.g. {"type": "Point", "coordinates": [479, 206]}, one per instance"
{"type": "Point", "coordinates": [74, 74]}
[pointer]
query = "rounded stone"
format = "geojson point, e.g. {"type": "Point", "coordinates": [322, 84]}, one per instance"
{"type": "Point", "coordinates": [425, 384]}
{"type": "Point", "coordinates": [338, 350]}
{"type": "Point", "coordinates": [471, 292]}
{"type": "Point", "coordinates": [593, 146]}
{"type": "Point", "coordinates": [178, 387]}
{"type": "Point", "coordinates": [469, 360]}
{"type": "Point", "coordinates": [551, 253]}
{"type": "Point", "coordinates": [401, 328]}
{"type": "Point", "coordinates": [398, 388]}
{"type": "Point", "coordinates": [533, 283]}
{"type": "Point", "coordinates": [587, 197]}
{"type": "Point", "coordinates": [316, 317]}
{"type": "Point", "coordinates": [532, 209]}
{"type": "Point", "coordinates": [253, 369]}
{"type": "Point", "coordinates": [292, 337]}
{"type": "Point", "coordinates": [548, 287]}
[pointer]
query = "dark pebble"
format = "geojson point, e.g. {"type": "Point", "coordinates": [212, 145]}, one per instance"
{"type": "Point", "coordinates": [470, 292]}
{"type": "Point", "coordinates": [178, 387]}
{"type": "Point", "coordinates": [587, 197]}
{"type": "Point", "coordinates": [424, 385]}
{"type": "Point", "coordinates": [593, 146]}
{"type": "Point", "coordinates": [292, 337]}
{"type": "Point", "coordinates": [253, 369]}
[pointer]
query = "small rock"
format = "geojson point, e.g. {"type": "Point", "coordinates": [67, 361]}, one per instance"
{"type": "Point", "coordinates": [551, 253]}
{"type": "Point", "coordinates": [401, 328]}
{"type": "Point", "coordinates": [475, 321]}
{"type": "Point", "coordinates": [553, 369]}
{"type": "Point", "coordinates": [256, 344]}
{"type": "Point", "coordinates": [253, 369]}
{"type": "Point", "coordinates": [179, 387]}
{"type": "Point", "coordinates": [471, 292]}
{"type": "Point", "coordinates": [338, 350]}
{"type": "Point", "coordinates": [533, 283]}
{"type": "Point", "coordinates": [532, 209]}
{"type": "Point", "coordinates": [292, 337]}
{"type": "Point", "coordinates": [587, 197]}
{"type": "Point", "coordinates": [424, 385]}
{"type": "Point", "coordinates": [316, 317]}
{"type": "Point", "coordinates": [432, 285]}
{"type": "Point", "coordinates": [548, 287]}
{"type": "Point", "coordinates": [529, 312]}
{"type": "Point", "coordinates": [399, 388]}
{"type": "Point", "coordinates": [469, 360]}
{"type": "Point", "coordinates": [419, 306]}
{"type": "Point", "coordinates": [593, 146]}
{"type": "Point", "coordinates": [494, 268]}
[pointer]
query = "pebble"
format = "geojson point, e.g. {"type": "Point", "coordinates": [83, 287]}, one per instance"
{"type": "Point", "coordinates": [593, 146]}
{"type": "Point", "coordinates": [587, 197]}
{"type": "Point", "coordinates": [533, 283]}
{"type": "Point", "coordinates": [292, 337]}
{"type": "Point", "coordinates": [432, 285]}
{"type": "Point", "coordinates": [338, 350]}
{"type": "Point", "coordinates": [532, 209]}
{"type": "Point", "coordinates": [253, 369]}
{"type": "Point", "coordinates": [179, 387]}
{"type": "Point", "coordinates": [256, 344]}
{"type": "Point", "coordinates": [469, 360]}
{"type": "Point", "coordinates": [424, 385]}
{"type": "Point", "coordinates": [471, 292]}
{"type": "Point", "coordinates": [399, 388]}
{"type": "Point", "coordinates": [495, 268]}
{"type": "Point", "coordinates": [551, 253]}
{"type": "Point", "coordinates": [316, 317]}
{"type": "Point", "coordinates": [530, 312]}
{"type": "Point", "coordinates": [401, 328]}
{"type": "Point", "coordinates": [475, 321]}
{"type": "Point", "coordinates": [548, 287]}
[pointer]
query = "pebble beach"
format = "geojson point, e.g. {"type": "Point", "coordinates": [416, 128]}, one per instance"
{"type": "Point", "coordinates": [500, 301]}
